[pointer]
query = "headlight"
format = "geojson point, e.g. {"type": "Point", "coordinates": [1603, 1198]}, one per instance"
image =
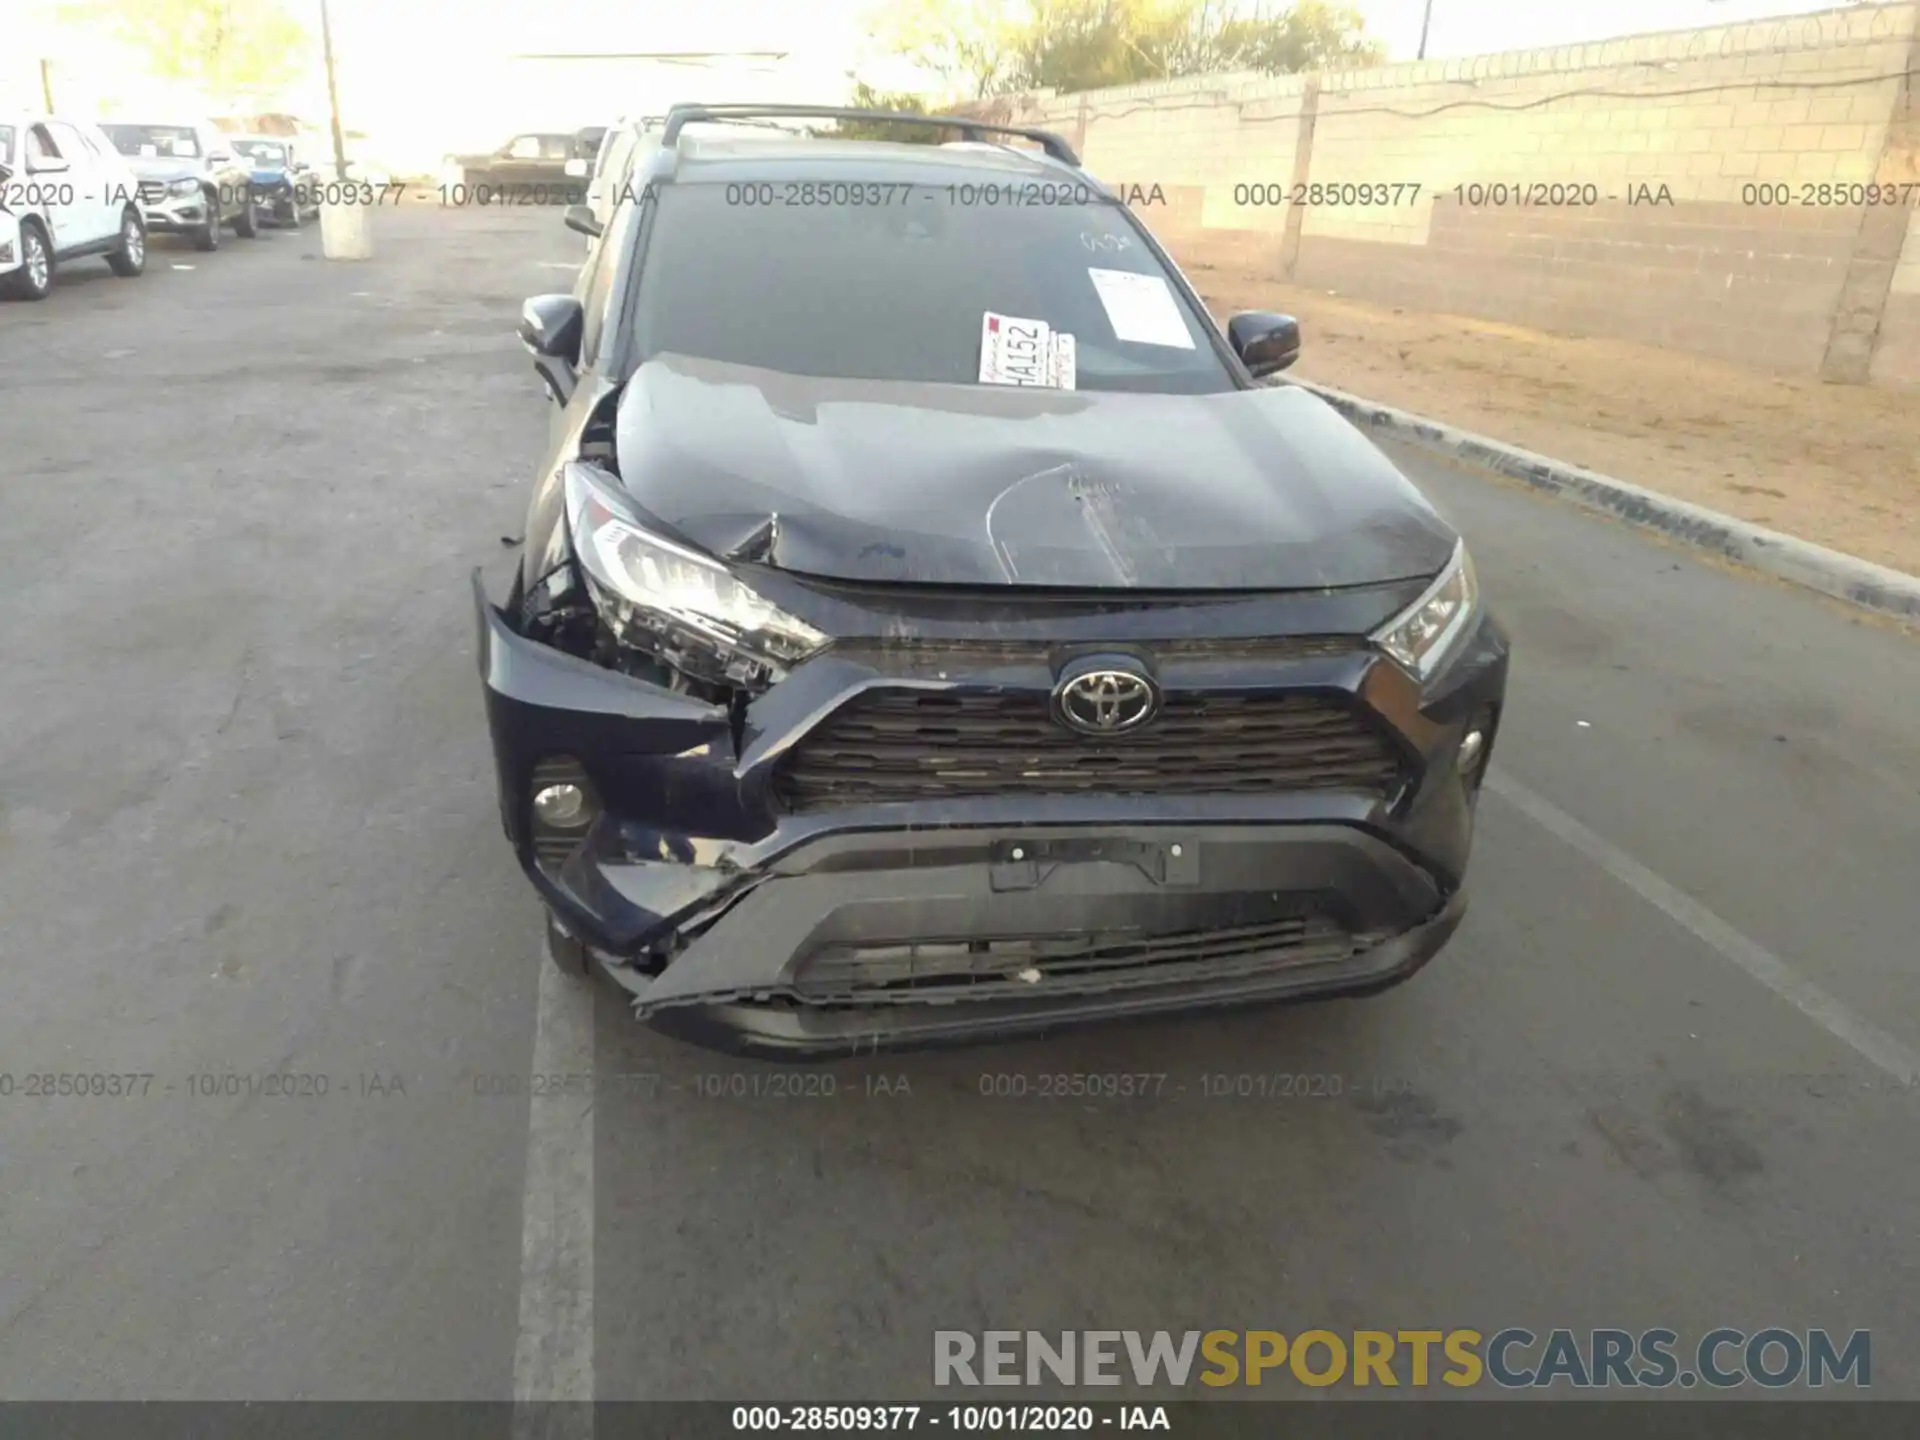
{"type": "Point", "coordinates": [676, 603]}
{"type": "Point", "coordinates": [1423, 635]}
{"type": "Point", "coordinates": [184, 187]}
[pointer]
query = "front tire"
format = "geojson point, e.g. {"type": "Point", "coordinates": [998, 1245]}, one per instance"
{"type": "Point", "coordinates": [207, 237]}
{"type": "Point", "coordinates": [131, 258]}
{"type": "Point", "coordinates": [566, 954]}
{"type": "Point", "coordinates": [247, 223]}
{"type": "Point", "coordinates": [34, 278]}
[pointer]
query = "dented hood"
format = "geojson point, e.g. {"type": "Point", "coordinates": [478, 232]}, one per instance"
{"type": "Point", "coordinates": [977, 485]}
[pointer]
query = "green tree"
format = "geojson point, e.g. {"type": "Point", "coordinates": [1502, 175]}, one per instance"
{"type": "Point", "coordinates": [1001, 46]}
{"type": "Point", "coordinates": [1309, 35]}
{"type": "Point", "coordinates": [969, 44]}
{"type": "Point", "coordinates": [230, 51]}
{"type": "Point", "coordinates": [865, 97]}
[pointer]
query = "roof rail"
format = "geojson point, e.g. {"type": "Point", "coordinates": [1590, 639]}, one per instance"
{"type": "Point", "coordinates": [681, 116]}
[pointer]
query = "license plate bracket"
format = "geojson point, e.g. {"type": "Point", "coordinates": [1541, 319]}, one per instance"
{"type": "Point", "coordinates": [1026, 864]}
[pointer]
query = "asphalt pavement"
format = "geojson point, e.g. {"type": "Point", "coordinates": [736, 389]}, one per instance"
{"type": "Point", "coordinates": [248, 828]}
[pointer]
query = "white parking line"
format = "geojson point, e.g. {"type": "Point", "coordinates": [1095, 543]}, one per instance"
{"type": "Point", "coordinates": [553, 1358]}
{"type": "Point", "coordinates": [1761, 963]}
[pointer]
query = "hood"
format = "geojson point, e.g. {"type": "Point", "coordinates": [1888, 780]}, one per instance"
{"type": "Point", "coordinates": [165, 167]}
{"type": "Point", "coordinates": [1265, 489]}
{"type": "Point", "coordinates": [265, 171]}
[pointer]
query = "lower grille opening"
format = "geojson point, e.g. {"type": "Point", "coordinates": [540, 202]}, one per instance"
{"type": "Point", "coordinates": [1043, 966]}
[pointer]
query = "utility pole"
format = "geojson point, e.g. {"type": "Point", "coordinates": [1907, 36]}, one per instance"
{"type": "Point", "coordinates": [333, 96]}
{"type": "Point", "coordinates": [46, 83]}
{"type": "Point", "coordinates": [1425, 20]}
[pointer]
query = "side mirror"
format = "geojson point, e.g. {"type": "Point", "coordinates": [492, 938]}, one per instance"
{"type": "Point", "coordinates": [49, 165]}
{"type": "Point", "coordinates": [1266, 343]}
{"type": "Point", "coordinates": [582, 219]}
{"type": "Point", "coordinates": [551, 327]}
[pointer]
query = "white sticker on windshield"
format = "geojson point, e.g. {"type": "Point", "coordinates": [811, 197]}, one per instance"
{"type": "Point", "coordinates": [1016, 351]}
{"type": "Point", "coordinates": [1141, 308]}
{"type": "Point", "coordinates": [150, 152]}
{"type": "Point", "coordinates": [1063, 361]}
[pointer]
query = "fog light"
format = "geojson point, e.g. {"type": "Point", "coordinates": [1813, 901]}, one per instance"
{"type": "Point", "coordinates": [560, 806]}
{"type": "Point", "coordinates": [1471, 744]}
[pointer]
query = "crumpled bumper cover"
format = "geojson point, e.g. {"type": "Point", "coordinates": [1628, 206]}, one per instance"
{"type": "Point", "coordinates": [879, 927]}
{"type": "Point", "coordinates": [775, 1031]}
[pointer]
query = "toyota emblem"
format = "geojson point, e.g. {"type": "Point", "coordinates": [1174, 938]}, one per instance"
{"type": "Point", "coordinates": [1106, 702]}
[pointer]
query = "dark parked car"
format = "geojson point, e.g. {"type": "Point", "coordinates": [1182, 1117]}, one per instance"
{"type": "Point", "coordinates": [192, 181]}
{"type": "Point", "coordinates": [528, 169]}
{"type": "Point", "coordinates": [886, 667]}
{"type": "Point", "coordinates": [286, 189]}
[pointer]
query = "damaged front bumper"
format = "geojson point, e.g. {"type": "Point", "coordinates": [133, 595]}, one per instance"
{"type": "Point", "coordinates": [738, 919]}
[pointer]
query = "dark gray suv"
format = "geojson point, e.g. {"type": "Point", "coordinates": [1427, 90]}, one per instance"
{"type": "Point", "coordinates": [931, 626]}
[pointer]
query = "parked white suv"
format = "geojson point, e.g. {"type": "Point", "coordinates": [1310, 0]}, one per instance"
{"type": "Point", "coordinates": [65, 193]}
{"type": "Point", "coordinates": [606, 182]}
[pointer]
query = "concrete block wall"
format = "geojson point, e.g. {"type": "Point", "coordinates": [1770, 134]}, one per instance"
{"type": "Point", "coordinates": [1897, 357]}
{"type": "Point", "coordinates": [1671, 137]}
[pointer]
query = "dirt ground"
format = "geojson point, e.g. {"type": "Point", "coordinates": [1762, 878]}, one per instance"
{"type": "Point", "coordinates": [1835, 464]}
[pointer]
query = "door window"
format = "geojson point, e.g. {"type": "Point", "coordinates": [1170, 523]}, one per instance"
{"type": "Point", "coordinates": [595, 288]}
{"type": "Point", "coordinates": [68, 141]}
{"type": "Point", "coordinates": [41, 146]}
{"type": "Point", "coordinates": [613, 155]}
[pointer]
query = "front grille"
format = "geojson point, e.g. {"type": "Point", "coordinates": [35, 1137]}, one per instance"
{"type": "Point", "coordinates": [1043, 967]}
{"type": "Point", "coordinates": [152, 192]}
{"type": "Point", "coordinates": [908, 745]}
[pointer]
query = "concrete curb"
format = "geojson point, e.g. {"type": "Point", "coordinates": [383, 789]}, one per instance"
{"type": "Point", "coordinates": [1844, 577]}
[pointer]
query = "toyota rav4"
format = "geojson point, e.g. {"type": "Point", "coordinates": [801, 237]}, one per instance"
{"type": "Point", "coordinates": [932, 626]}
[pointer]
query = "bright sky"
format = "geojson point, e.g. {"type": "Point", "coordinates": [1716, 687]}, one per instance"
{"type": "Point", "coordinates": [825, 38]}
{"type": "Point", "coordinates": [1475, 27]}
{"type": "Point", "coordinates": [430, 60]}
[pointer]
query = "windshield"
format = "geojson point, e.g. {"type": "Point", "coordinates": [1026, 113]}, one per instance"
{"type": "Point", "coordinates": [264, 151]}
{"type": "Point", "coordinates": [154, 141]}
{"type": "Point", "coordinates": [886, 281]}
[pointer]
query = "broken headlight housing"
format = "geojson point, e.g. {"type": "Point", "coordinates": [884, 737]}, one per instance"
{"type": "Point", "coordinates": [684, 608]}
{"type": "Point", "coordinates": [1424, 635]}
